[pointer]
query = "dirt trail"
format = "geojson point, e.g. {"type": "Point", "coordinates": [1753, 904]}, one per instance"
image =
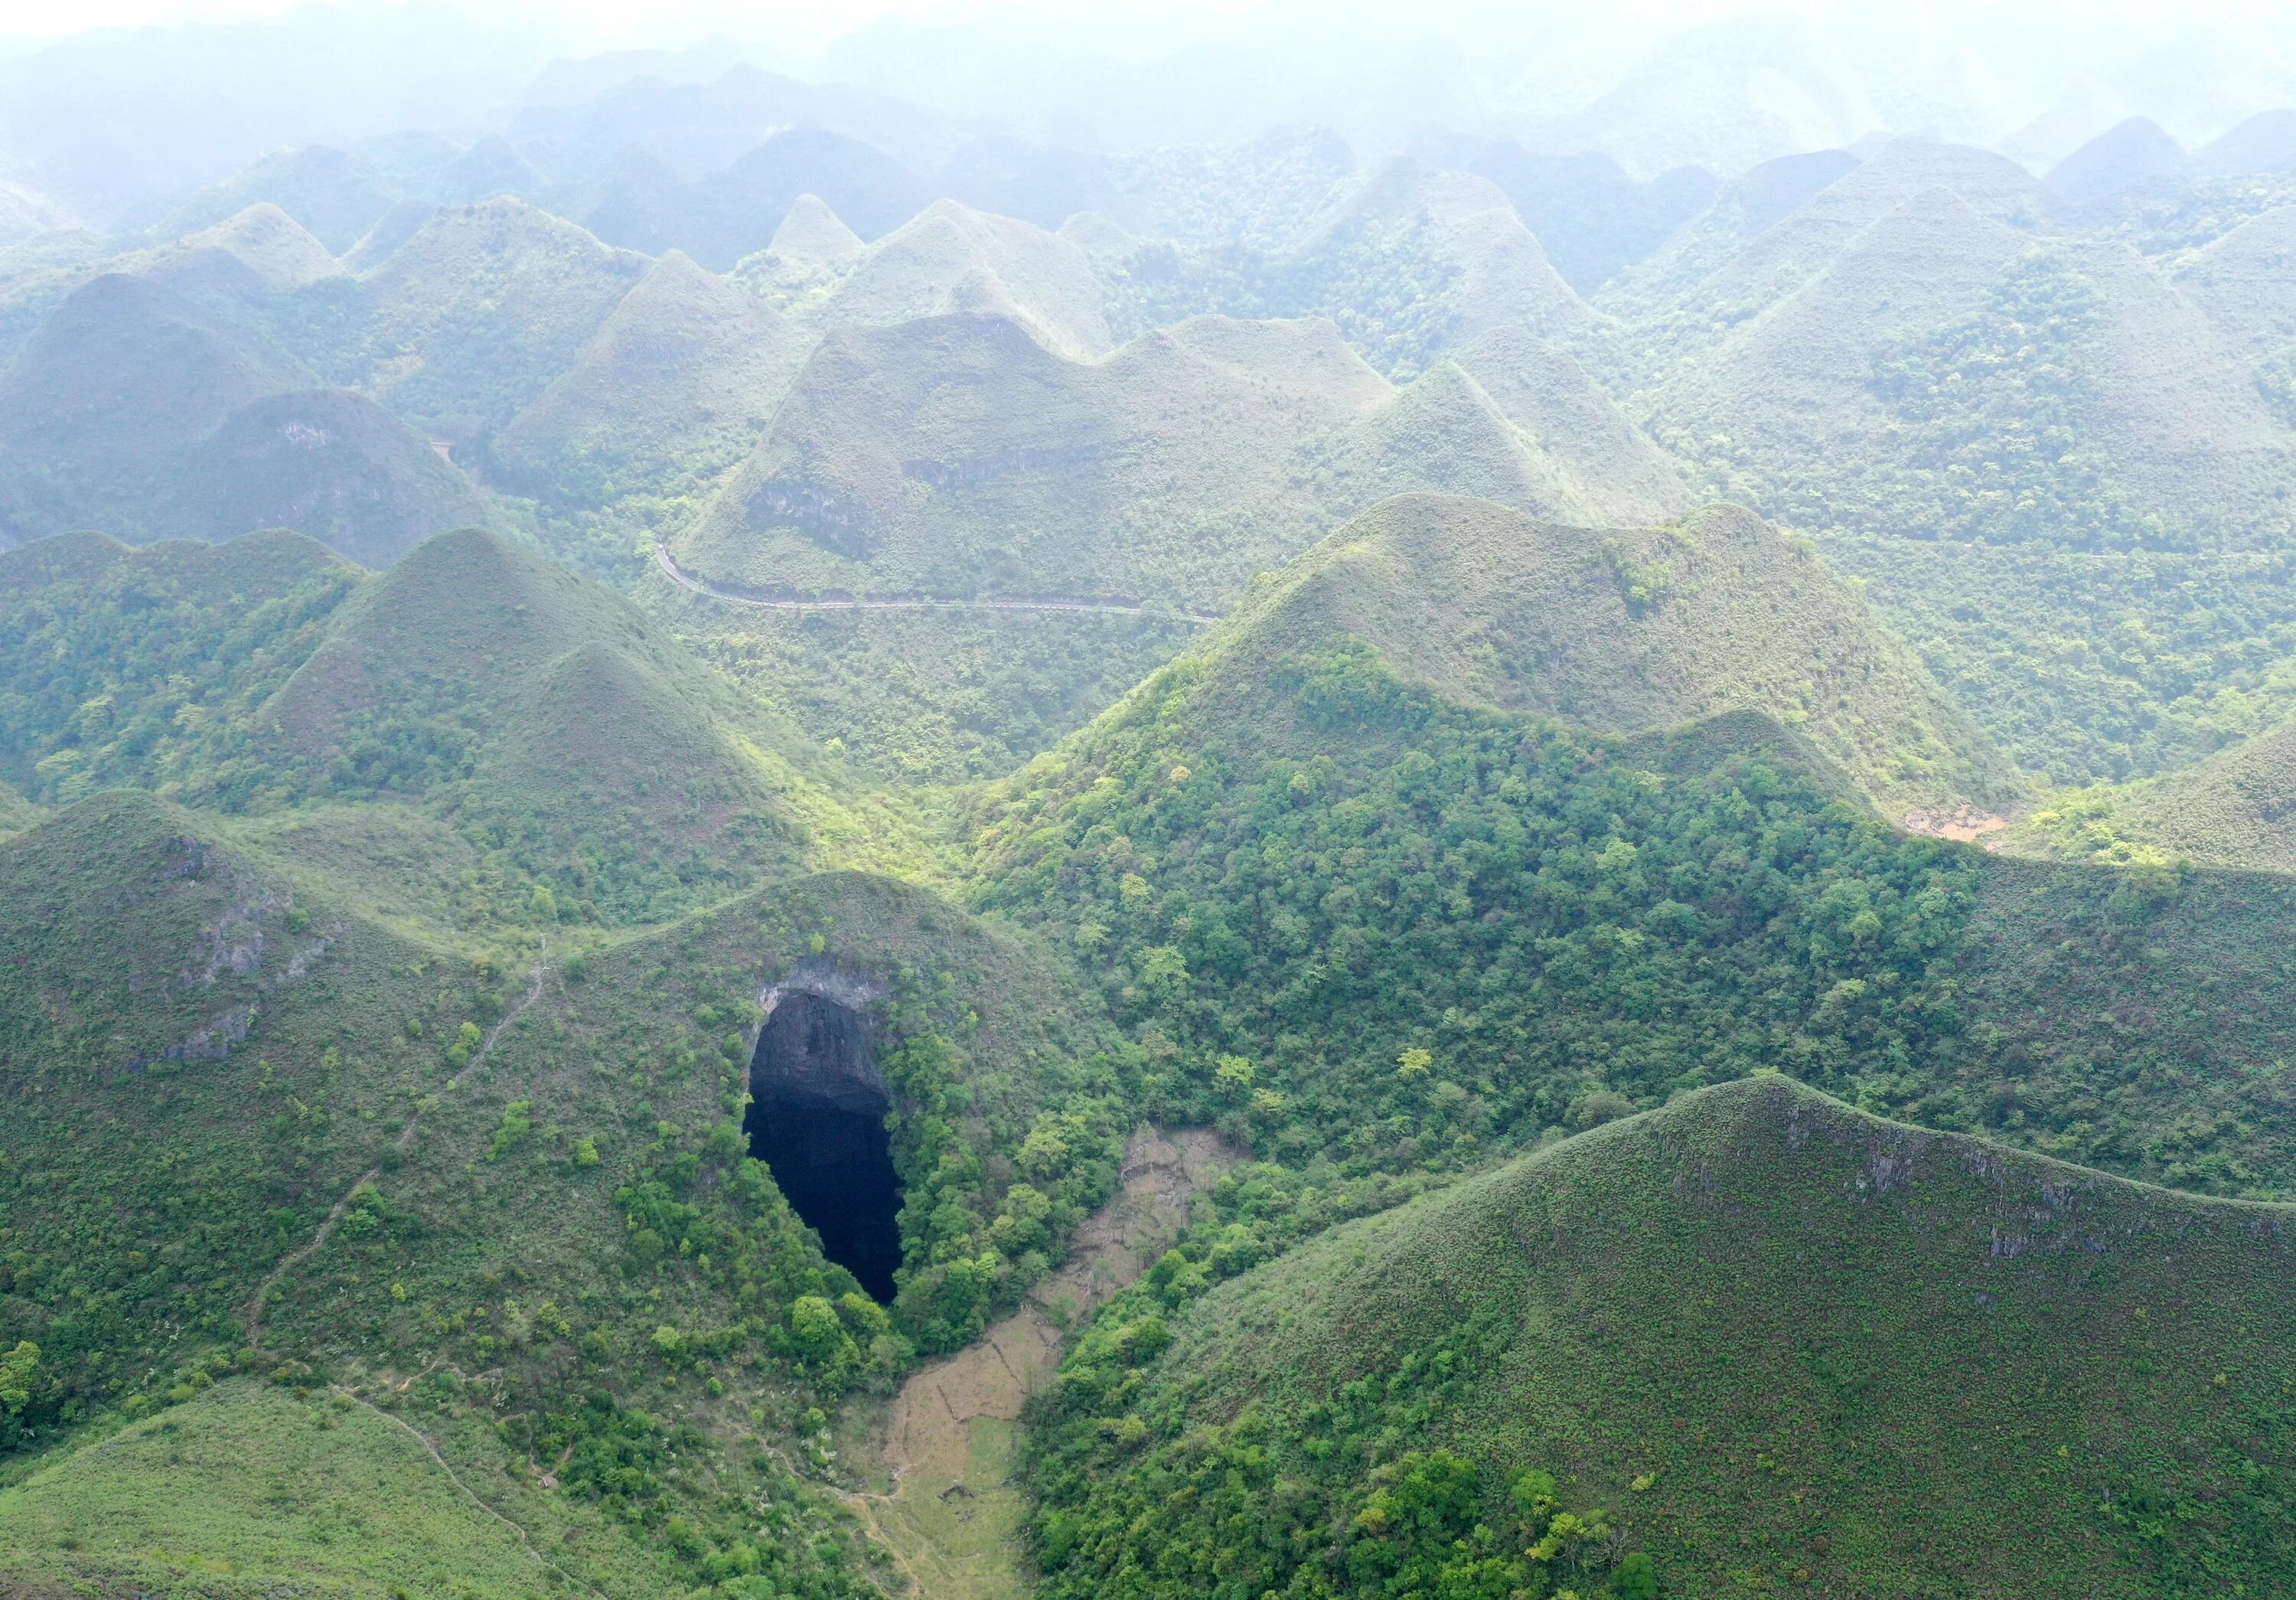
{"type": "Point", "coordinates": [952, 1517]}
{"type": "Point", "coordinates": [405, 1146]}
{"type": "Point", "coordinates": [699, 585]}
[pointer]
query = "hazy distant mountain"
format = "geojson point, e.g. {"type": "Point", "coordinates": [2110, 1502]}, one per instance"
{"type": "Point", "coordinates": [471, 319]}
{"type": "Point", "coordinates": [339, 197]}
{"type": "Point", "coordinates": [2123, 156]}
{"type": "Point", "coordinates": [676, 384]}
{"type": "Point", "coordinates": [100, 407]}
{"type": "Point", "coordinates": [956, 454]}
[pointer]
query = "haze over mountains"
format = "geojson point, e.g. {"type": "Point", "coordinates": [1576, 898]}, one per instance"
{"type": "Point", "coordinates": [1042, 813]}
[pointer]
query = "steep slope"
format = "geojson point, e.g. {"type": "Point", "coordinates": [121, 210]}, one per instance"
{"type": "Point", "coordinates": [326, 462]}
{"type": "Point", "coordinates": [258, 1480]}
{"type": "Point", "coordinates": [1768, 1339]}
{"type": "Point", "coordinates": [100, 405]}
{"type": "Point", "coordinates": [2264, 143]}
{"type": "Point", "coordinates": [957, 454]}
{"type": "Point", "coordinates": [541, 714]}
{"type": "Point", "coordinates": [812, 237]}
{"type": "Point", "coordinates": [1590, 217]}
{"type": "Point", "coordinates": [1615, 474]}
{"type": "Point", "coordinates": [1745, 208]}
{"type": "Point", "coordinates": [748, 198]}
{"type": "Point", "coordinates": [16, 812]}
{"type": "Point", "coordinates": [1631, 631]}
{"type": "Point", "coordinates": [252, 1135]}
{"type": "Point", "coordinates": [2236, 808]}
{"type": "Point", "coordinates": [253, 253]}
{"type": "Point", "coordinates": [1743, 257]}
{"type": "Point", "coordinates": [471, 318]}
{"type": "Point", "coordinates": [1470, 264]}
{"type": "Point", "coordinates": [675, 387]}
{"type": "Point", "coordinates": [125, 666]}
{"type": "Point", "coordinates": [2123, 156]}
{"type": "Point", "coordinates": [951, 259]}
{"type": "Point", "coordinates": [1314, 849]}
{"type": "Point", "coordinates": [338, 196]}
{"type": "Point", "coordinates": [1946, 376]}
{"type": "Point", "coordinates": [2246, 282]}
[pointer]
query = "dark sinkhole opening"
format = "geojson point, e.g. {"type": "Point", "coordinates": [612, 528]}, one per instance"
{"type": "Point", "coordinates": [817, 1119]}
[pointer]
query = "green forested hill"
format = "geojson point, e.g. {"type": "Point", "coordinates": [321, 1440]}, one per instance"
{"type": "Point", "coordinates": [533, 717]}
{"type": "Point", "coordinates": [1755, 1339]}
{"type": "Point", "coordinates": [468, 322]}
{"type": "Point", "coordinates": [2232, 809]}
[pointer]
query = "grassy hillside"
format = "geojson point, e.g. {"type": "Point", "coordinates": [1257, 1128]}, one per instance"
{"type": "Point", "coordinates": [2233, 809]}
{"type": "Point", "coordinates": [1609, 465]}
{"type": "Point", "coordinates": [250, 1132]}
{"type": "Point", "coordinates": [153, 405]}
{"type": "Point", "coordinates": [1411, 263]}
{"type": "Point", "coordinates": [248, 1488]}
{"type": "Point", "coordinates": [948, 258]}
{"type": "Point", "coordinates": [2092, 666]}
{"type": "Point", "coordinates": [1755, 1340]}
{"type": "Point", "coordinates": [1631, 631]}
{"type": "Point", "coordinates": [673, 389]}
{"type": "Point", "coordinates": [547, 720]}
{"type": "Point", "coordinates": [337, 196]}
{"type": "Point", "coordinates": [2246, 281]}
{"type": "Point", "coordinates": [598, 772]}
{"type": "Point", "coordinates": [1789, 220]}
{"type": "Point", "coordinates": [956, 455]}
{"type": "Point", "coordinates": [1288, 863]}
{"type": "Point", "coordinates": [143, 1198]}
{"type": "Point", "coordinates": [258, 252]}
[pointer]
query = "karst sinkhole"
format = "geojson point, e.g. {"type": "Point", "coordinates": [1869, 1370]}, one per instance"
{"type": "Point", "coordinates": [817, 1119]}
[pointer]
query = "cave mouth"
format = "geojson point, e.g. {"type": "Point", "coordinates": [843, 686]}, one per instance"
{"type": "Point", "coordinates": [817, 1118]}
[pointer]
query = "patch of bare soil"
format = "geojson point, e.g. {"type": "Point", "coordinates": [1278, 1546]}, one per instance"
{"type": "Point", "coordinates": [953, 1516]}
{"type": "Point", "coordinates": [1963, 822]}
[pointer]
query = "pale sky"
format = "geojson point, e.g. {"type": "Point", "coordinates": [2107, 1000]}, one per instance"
{"type": "Point", "coordinates": [606, 23]}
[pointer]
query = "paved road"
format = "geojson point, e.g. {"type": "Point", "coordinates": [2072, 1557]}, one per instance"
{"type": "Point", "coordinates": [684, 580]}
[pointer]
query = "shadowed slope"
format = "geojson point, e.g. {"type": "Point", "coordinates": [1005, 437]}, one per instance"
{"type": "Point", "coordinates": [329, 463]}
{"type": "Point", "coordinates": [98, 407]}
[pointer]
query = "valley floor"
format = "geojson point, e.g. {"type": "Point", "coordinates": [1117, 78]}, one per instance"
{"type": "Point", "coordinates": [943, 1497]}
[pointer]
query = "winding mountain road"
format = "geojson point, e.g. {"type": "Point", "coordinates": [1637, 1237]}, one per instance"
{"type": "Point", "coordinates": [684, 580]}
